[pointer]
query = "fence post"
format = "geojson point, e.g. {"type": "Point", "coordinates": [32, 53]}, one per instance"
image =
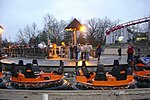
{"type": "Point", "coordinates": [45, 96]}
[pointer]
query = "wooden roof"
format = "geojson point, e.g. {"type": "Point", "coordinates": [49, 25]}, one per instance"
{"type": "Point", "coordinates": [75, 24]}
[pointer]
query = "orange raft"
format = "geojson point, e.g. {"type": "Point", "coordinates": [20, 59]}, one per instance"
{"type": "Point", "coordinates": [30, 77]}
{"type": "Point", "coordinates": [141, 74]}
{"type": "Point", "coordinates": [119, 78]}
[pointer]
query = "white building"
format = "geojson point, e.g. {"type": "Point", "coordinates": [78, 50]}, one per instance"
{"type": "Point", "coordinates": [113, 36]}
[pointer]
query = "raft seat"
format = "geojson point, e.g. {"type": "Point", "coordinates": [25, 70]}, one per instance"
{"type": "Point", "coordinates": [119, 72]}
{"type": "Point", "coordinates": [122, 73]}
{"type": "Point", "coordinates": [101, 76]}
{"type": "Point", "coordinates": [21, 67]}
{"type": "Point", "coordinates": [100, 73]}
{"type": "Point", "coordinates": [35, 67]}
{"type": "Point", "coordinates": [36, 70]}
{"type": "Point", "coordinates": [115, 68]}
{"type": "Point", "coordinates": [28, 71]}
{"type": "Point", "coordinates": [86, 72]}
{"type": "Point", "coordinates": [14, 70]}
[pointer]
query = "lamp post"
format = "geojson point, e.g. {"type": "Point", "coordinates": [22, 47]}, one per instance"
{"type": "Point", "coordinates": [1, 30]}
{"type": "Point", "coordinates": [74, 26]}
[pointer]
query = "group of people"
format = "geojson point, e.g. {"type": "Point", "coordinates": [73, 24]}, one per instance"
{"type": "Point", "coordinates": [80, 52]}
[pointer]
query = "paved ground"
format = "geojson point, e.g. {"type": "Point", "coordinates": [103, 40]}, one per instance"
{"type": "Point", "coordinates": [124, 94]}
{"type": "Point", "coordinates": [105, 59]}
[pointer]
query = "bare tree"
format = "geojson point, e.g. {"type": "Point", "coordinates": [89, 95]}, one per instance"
{"type": "Point", "coordinates": [92, 26]}
{"type": "Point", "coordinates": [68, 37]}
{"type": "Point", "coordinates": [54, 28]}
{"type": "Point", "coordinates": [96, 30]}
{"type": "Point", "coordinates": [81, 38]}
{"type": "Point", "coordinates": [103, 25]}
{"type": "Point", "coordinates": [27, 33]}
{"type": "Point", "coordinates": [42, 37]}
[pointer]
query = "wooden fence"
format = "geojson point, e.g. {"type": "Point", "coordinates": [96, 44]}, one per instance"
{"type": "Point", "coordinates": [25, 52]}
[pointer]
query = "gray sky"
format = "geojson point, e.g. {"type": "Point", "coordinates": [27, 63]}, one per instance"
{"type": "Point", "coordinates": [15, 14]}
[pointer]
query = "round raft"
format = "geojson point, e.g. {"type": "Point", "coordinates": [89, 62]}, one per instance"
{"type": "Point", "coordinates": [119, 78]}
{"type": "Point", "coordinates": [30, 77]}
{"type": "Point", "coordinates": [142, 72]}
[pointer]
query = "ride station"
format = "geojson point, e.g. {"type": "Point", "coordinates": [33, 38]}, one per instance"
{"type": "Point", "coordinates": [65, 79]}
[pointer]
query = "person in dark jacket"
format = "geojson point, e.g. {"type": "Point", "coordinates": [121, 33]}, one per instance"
{"type": "Point", "coordinates": [139, 52]}
{"type": "Point", "coordinates": [119, 52]}
{"type": "Point", "coordinates": [71, 51]}
{"type": "Point", "coordinates": [98, 51]}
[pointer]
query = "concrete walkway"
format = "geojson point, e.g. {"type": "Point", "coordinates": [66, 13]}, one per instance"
{"type": "Point", "coordinates": [114, 51]}
{"type": "Point", "coordinates": [124, 94]}
{"type": "Point", "coordinates": [105, 59]}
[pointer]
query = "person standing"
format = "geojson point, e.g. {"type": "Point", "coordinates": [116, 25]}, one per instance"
{"type": "Point", "coordinates": [98, 51]}
{"type": "Point", "coordinates": [85, 51]}
{"type": "Point", "coordinates": [62, 52]}
{"type": "Point", "coordinates": [88, 51]}
{"type": "Point", "coordinates": [71, 51]}
{"type": "Point", "coordinates": [130, 52]}
{"type": "Point", "coordinates": [119, 52]}
{"type": "Point", "coordinates": [82, 51]}
{"type": "Point", "coordinates": [139, 52]}
{"type": "Point", "coordinates": [78, 51]}
{"type": "Point", "coordinates": [75, 52]}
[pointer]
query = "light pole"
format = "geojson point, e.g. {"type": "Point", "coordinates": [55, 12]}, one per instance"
{"type": "Point", "coordinates": [1, 30]}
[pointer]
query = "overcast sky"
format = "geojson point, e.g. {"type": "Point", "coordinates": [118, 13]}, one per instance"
{"type": "Point", "coordinates": [15, 14]}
